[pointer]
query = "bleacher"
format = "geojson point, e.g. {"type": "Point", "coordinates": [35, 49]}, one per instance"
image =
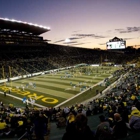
{"type": "Point", "coordinates": [23, 119]}
{"type": "Point", "coordinates": [33, 59]}
{"type": "Point", "coordinates": [27, 60]}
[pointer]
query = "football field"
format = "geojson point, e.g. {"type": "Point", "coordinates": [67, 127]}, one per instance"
{"type": "Point", "coordinates": [49, 90]}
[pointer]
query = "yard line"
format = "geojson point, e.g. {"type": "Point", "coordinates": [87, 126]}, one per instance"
{"type": "Point", "coordinates": [47, 92]}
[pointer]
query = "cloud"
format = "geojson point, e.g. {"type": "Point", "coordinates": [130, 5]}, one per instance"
{"type": "Point", "coordinates": [79, 36]}
{"type": "Point", "coordinates": [119, 30]}
{"type": "Point", "coordinates": [109, 31]}
{"type": "Point", "coordinates": [71, 42]}
{"type": "Point", "coordinates": [128, 30]}
{"type": "Point", "coordinates": [70, 38]}
{"type": "Point", "coordinates": [62, 40]}
{"type": "Point", "coordinates": [74, 38]}
{"type": "Point", "coordinates": [77, 31]}
{"type": "Point", "coordinates": [127, 38]}
{"type": "Point", "coordinates": [102, 43]}
{"type": "Point", "coordinates": [133, 29]}
{"type": "Point", "coordinates": [79, 43]}
{"type": "Point", "coordinates": [99, 36]}
{"type": "Point", "coordinates": [89, 35]}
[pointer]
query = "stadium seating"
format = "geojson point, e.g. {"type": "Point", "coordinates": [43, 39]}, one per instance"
{"type": "Point", "coordinates": [21, 121]}
{"type": "Point", "coordinates": [26, 60]}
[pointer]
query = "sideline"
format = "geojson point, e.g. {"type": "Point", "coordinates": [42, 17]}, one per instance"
{"type": "Point", "coordinates": [80, 93]}
{"type": "Point", "coordinates": [98, 95]}
{"type": "Point", "coordinates": [106, 90]}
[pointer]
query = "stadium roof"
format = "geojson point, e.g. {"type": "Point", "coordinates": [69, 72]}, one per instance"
{"type": "Point", "coordinates": [116, 39]}
{"type": "Point", "coordinates": [14, 25]}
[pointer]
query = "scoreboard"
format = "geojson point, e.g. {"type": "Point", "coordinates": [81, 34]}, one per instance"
{"type": "Point", "coordinates": [116, 45]}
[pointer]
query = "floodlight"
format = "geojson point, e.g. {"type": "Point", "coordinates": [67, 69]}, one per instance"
{"type": "Point", "coordinates": [18, 21]}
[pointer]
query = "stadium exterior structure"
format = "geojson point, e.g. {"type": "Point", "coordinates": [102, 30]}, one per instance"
{"type": "Point", "coordinates": [13, 32]}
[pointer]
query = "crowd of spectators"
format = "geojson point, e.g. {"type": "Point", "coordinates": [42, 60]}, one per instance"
{"type": "Point", "coordinates": [18, 122]}
{"type": "Point", "coordinates": [26, 60]}
{"type": "Point", "coordinates": [120, 108]}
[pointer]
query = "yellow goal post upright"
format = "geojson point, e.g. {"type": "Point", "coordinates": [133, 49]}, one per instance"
{"type": "Point", "coordinates": [10, 75]}
{"type": "Point", "coordinates": [3, 72]}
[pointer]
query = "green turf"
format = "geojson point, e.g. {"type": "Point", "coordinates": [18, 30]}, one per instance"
{"type": "Point", "coordinates": [9, 100]}
{"type": "Point", "coordinates": [59, 88]}
{"type": "Point", "coordinates": [86, 95]}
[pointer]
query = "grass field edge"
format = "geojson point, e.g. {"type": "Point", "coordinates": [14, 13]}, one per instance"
{"type": "Point", "coordinates": [80, 93]}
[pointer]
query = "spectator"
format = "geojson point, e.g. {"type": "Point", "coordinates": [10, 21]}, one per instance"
{"type": "Point", "coordinates": [61, 121]}
{"type": "Point", "coordinates": [119, 129]}
{"type": "Point", "coordinates": [39, 127]}
{"type": "Point", "coordinates": [2, 124]}
{"type": "Point", "coordinates": [123, 111]}
{"type": "Point", "coordinates": [70, 118]}
{"type": "Point", "coordinates": [78, 130]}
{"type": "Point", "coordinates": [103, 131]}
{"type": "Point", "coordinates": [134, 122]}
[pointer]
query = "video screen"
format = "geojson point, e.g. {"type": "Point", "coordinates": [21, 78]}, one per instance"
{"type": "Point", "coordinates": [116, 45]}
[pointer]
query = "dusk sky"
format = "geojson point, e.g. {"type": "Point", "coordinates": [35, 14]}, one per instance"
{"type": "Point", "coordinates": [83, 23]}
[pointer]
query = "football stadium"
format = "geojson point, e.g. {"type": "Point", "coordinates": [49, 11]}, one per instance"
{"type": "Point", "coordinates": [58, 82]}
